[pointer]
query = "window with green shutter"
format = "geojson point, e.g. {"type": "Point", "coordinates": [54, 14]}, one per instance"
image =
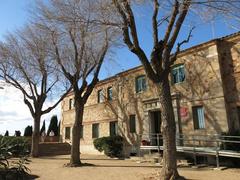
{"type": "Point", "coordinates": [198, 117]}
{"type": "Point", "coordinates": [141, 83]}
{"type": "Point", "coordinates": [178, 74]}
{"type": "Point", "coordinates": [100, 96]}
{"type": "Point", "coordinates": [109, 93]}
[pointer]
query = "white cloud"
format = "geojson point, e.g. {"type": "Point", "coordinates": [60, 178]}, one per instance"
{"type": "Point", "coordinates": [14, 114]}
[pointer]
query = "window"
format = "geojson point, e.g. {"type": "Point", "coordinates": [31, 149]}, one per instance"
{"type": "Point", "coordinates": [198, 117]}
{"type": "Point", "coordinates": [81, 131]}
{"type": "Point", "coordinates": [109, 93]}
{"type": "Point", "coordinates": [67, 132]}
{"type": "Point", "coordinates": [95, 130]}
{"type": "Point", "coordinates": [141, 84]}
{"type": "Point", "coordinates": [71, 103]}
{"type": "Point", "coordinates": [178, 74]}
{"type": "Point", "coordinates": [100, 96]}
{"type": "Point", "coordinates": [113, 128]}
{"type": "Point", "coordinates": [132, 123]}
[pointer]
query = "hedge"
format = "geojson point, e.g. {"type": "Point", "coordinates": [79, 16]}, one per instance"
{"type": "Point", "coordinates": [112, 146]}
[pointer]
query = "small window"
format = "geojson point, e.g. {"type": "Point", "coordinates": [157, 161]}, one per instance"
{"type": "Point", "coordinates": [81, 131]}
{"type": "Point", "coordinates": [141, 84]}
{"type": "Point", "coordinates": [67, 132]}
{"type": "Point", "coordinates": [178, 74]}
{"type": "Point", "coordinates": [100, 96]}
{"type": "Point", "coordinates": [113, 128]}
{"type": "Point", "coordinates": [198, 117]}
{"type": "Point", "coordinates": [132, 124]}
{"type": "Point", "coordinates": [71, 103]}
{"type": "Point", "coordinates": [109, 93]}
{"type": "Point", "coordinates": [95, 130]}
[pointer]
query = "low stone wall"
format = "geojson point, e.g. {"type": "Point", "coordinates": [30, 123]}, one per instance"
{"type": "Point", "coordinates": [50, 139]}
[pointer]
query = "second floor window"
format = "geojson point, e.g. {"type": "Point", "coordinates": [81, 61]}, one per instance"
{"type": "Point", "coordinates": [100, 96]}
{"type": "Point", "coordinates": [71, 103]}
{"type": "Point", "coordinates": [178, 74]}
{"type": "Point", "coordinates": [109, 93]}
{"type": "Point", "coordinates": [141, 84]}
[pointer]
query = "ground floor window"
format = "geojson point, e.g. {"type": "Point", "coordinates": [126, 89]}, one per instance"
{"type": "Point", "coordinates": [198, 117]}
{"type": "Point", "coordinates": [95, 130]}
{"type": "Point", "coordinates": [132, 124]}
{"type": "Point", "coordinates": [113, 127]}
{"type": "Point", "coordinates": [67, 132]}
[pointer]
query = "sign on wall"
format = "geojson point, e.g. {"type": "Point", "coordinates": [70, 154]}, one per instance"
{"type": "Point", "coordinates": [183, 111]}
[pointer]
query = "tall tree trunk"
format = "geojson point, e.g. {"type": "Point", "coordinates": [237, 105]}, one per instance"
{"type": "Point", "coordinates": [169, 169]}
{"type": "Point", "coordinates": [75, 150]}
{"type": "Point", "coordinates": [35, 137]}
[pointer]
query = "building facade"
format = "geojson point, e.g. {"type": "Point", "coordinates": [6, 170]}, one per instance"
{"type": "Point", "coordinates": [205, 88]}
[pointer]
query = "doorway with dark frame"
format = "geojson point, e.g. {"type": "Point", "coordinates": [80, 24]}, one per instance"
{"type": "Point", "coordinates": [155, 128]}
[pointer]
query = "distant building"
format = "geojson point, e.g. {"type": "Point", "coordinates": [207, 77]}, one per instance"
{"type": "Point", "coordinates": [205, 87]}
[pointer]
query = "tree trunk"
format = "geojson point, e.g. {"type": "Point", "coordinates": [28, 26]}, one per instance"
{"type": "Point", "coordinates": [35, 137]}
{"type": "Point", "coordinates": [75, 149]}
{"type": "Point", "coordinates": [169, 169]}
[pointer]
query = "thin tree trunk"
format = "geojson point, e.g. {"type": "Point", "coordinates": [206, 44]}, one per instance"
{"type": "Point", "coordinates": [75, 149]}
{"type": "Point", "coordinates": [35, 137]}
{"type": "Point", "coordinates": [169, 169]}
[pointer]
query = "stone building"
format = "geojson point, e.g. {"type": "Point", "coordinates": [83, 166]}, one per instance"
{"type": "Point", "coordinates": [205, 87]}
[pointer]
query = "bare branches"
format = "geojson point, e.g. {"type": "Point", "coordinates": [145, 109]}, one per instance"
{"type": "Point", "coordinates": [155, 23]}
{"type": "Point", "coordinates": [174, 56]}
{"type": "Point", "coordinates": [171, 23]}
{"type": "Point", "coordinates": [129, 28]}
{"type": "Point", "coordinates": [25, 63]}
{"type": "Point", "coordinates": [179, 22]}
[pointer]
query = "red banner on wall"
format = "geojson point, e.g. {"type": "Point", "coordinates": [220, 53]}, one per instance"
{"type": "Point", "coordinates": [183, 111]}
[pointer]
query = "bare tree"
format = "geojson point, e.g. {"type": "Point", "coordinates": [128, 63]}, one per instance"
{"type": "Point", "coordinates": [79, 47]}
{"type": "Point", "coordinates": [25, 64]}
{"type": "Point", "coordinates": [167, 22]}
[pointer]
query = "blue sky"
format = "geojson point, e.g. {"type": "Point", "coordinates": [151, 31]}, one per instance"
{"type": "Point", "coordinates": [14, 14]}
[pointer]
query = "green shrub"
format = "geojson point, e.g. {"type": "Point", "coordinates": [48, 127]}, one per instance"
{"type": "Point", "coordinates": [15, 169]}
{"type": "Point", "coordinates": [111, 146]}
{"type": "Point", "coordinates": [18, 146]}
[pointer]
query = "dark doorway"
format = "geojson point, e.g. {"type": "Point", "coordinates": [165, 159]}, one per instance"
{"type": "Point", "coordinates": [155, 128]}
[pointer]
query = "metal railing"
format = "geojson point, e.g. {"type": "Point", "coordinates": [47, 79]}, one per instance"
{"type": "Point", "coordinates": [217, 145]}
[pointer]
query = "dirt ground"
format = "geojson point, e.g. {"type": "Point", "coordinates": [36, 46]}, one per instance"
{"type": "Point", "coordinates": [102, 168]}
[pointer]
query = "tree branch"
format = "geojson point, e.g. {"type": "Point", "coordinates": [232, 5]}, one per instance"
{"type": "Point", "coordinates": [155, 23]}
{"type": "Point", "coordinates": [174, 56]}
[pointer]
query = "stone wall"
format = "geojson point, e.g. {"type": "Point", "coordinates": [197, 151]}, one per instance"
{"type": "Point", "coordinates": [207, 83]}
